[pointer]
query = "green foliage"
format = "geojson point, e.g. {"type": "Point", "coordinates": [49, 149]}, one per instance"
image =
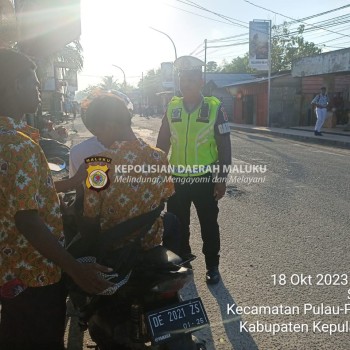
{"type": "Point", "coordinates": [238, 65]}
{"type": "Point", "coordinates": [82, 94]}
{"type": "Point", "coordinates": [71, 54]}
{"type": "Point", "coordinates": [285, 48]}
{"type": "Point", "coordinates": [150, 85]}
{"type": "Point", "coordinates": [212, 66]}
{"type": "Point", "coordinates": [109, 84]}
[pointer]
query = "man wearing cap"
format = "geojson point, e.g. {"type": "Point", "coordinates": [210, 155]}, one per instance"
{"type": "Point", "coordinates": [320, 101]}
{"type": "Point", "coordinates": [196, 130]}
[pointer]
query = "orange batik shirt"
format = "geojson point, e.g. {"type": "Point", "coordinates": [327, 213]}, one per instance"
{"type": "Point", "coordinates": [131, 193]}
{"type": "Point", "coordinates": [22, 126]}
{"type": "Point", "coordinates": [25, 184]}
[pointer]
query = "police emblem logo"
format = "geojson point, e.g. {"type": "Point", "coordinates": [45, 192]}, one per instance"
{"type": "Point", "coordinates": [176, 114]}
{"type": "Point", "coordinates": [203, 115]}
{"type": "Point", "coordinates": [97, 178]}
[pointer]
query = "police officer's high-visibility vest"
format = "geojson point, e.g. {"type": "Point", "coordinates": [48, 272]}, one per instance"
{"type": "Point", "coordinates": [193, 145]}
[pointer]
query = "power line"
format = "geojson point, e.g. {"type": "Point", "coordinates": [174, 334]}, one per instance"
{"type": "Point", "coordinates": [227, 38]}
{"type": "Point", "coordinates": [296, 20]}
{"type": "Point", "coordinates": [193, 52]}
{"type": "Point", "coordinates": [232, 41]}
{"type": "Point", "coordinates": [229, 19]}
{"type": "Point", "coordinates": [237, 44]}
{"type": "Point", "coordinates": [321, 14]}
{"type": "Point", "coordinates": [196, 14]}
{"type": "Point", "coordinates": [328, 23]}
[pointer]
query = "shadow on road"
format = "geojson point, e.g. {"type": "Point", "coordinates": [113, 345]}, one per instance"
{"type": "Point", "coordinates": [74, 336]}
{"type": "Point", "coordinates": [240, 339]}
{"type": "Point", "coordinates": [205, 335]}
{"type": "Point", "coordinates": [260, 138]}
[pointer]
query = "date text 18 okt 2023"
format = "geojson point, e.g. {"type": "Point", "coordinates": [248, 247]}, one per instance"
{"type": "Point", "coordinates": [300, 279]}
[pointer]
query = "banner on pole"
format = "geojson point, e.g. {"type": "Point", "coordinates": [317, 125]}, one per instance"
{"type": "Point", "coordinates": [167, 74]}
{"type": "Point", "coordinates": [259, 45]}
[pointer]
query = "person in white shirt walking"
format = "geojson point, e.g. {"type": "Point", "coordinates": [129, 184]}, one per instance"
{"type": "Point", "coordinates": [320, 101]}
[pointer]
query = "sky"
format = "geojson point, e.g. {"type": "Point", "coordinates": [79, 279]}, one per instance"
{"type": "Point", "coordinates": [118, 32]}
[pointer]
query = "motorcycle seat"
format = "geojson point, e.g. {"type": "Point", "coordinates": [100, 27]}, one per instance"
{"type": "Point", "coordinates": [161, 256]}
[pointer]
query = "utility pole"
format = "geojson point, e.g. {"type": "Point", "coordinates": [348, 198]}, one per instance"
{"type": "Point", "coordinates": [269, 78]}
{"type": "Point", "coordinates": [205, 61]}
{"type": "Point", "coordinates": [142, 93]}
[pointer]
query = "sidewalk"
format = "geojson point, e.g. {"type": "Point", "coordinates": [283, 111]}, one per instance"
{"type": "Point", "coordinates": [335, 137]}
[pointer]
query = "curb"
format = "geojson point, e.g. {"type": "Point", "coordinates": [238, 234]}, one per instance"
{"type": "Point", "coordinates": [323, 132]}
{"type": "Point", "coordinates": [303, 138]}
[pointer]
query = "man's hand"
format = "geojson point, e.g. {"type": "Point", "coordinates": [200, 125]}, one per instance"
{"type": "Point", "coordinates": [81, 175]}
{"type": "Point", "coordinates": [87, 277]}
{"type": "Point", "coordinates": [73, 182]}
{"type": "Point", "coordinates": [33, 228]}
{"type": "Point", "coordinates": [219, 190]}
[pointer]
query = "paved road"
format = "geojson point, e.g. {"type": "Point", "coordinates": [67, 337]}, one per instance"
{"type": "Point", "coordinates": [292, 224]}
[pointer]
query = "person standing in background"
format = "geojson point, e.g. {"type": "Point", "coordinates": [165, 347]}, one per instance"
{"type": "Point", "coordinates": [320, 102]}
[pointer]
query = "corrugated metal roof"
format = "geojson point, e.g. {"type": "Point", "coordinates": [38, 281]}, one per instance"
{"type": "Point", "coordinates": [225, 79]}
{"type": "Point", "coordinates": [255, 80]}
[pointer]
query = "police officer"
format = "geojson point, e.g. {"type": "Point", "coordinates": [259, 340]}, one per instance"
{"type": "Point", "coordinates": [196, 130]}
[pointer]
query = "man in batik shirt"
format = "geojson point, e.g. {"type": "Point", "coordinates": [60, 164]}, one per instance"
{"type": "Point", "coordinates": [31, 252]}
{"type": "Point", "coordinates": [137, 172]}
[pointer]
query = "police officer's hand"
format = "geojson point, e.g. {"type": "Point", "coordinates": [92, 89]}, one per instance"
{"type": "Point", "coordinates": [219, 190]}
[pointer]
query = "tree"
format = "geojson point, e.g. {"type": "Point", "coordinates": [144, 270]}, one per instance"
{"type": "Point", "coordinates": [71, 54]}
{"type": "Point", "coordinates": [109, 84]}
{"type": "Point", "coordinates": [150, 85]}
{"type": "Point", "coordinates": [82, 94]}
{"type": "Point", "coordinates": [212, 66]}
{"type": "Point", "coordinates": [8, 27]}
{"type": "Point", "coordinates": [238, 65]}
{"type": "Point", "coordinates": [285, 48]}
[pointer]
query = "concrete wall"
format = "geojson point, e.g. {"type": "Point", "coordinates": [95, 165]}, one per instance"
{"type": "Point", "coordinates": [330, 62]}
{"type": "Point", "coordinates": [227, 100]}
{"type": "Point", "coordinates": [285, 101]}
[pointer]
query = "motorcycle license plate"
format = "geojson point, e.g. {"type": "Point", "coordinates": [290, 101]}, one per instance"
{"type": "Point", "coordinates": [172, 321]}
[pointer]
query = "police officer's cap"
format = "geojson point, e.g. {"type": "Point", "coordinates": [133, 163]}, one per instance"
{"type": "Point", "coordinates": [189, 65]}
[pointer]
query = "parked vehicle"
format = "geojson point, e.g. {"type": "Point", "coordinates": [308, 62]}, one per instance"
{"type": "Point", "coordinates": [55, 150]}
{"type": "Point", "coordinates": [51, 130]}
{"type": "Point", "coordinates": [143, 310]}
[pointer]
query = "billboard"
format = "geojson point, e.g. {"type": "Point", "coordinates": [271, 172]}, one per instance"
{"type": "Point", "coordinates": [46, 26]}
{"type": "Point", "coordinates": [167, 74]}
{"type": "Point", "coordinates": [259, 44]}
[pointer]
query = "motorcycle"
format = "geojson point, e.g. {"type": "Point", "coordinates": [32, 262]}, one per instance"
{"type": "Point", "coordinates": [50, 129]}
{"type": "Point", "coordinates": [55, 150]}
{"type": "Point", "coordinates": [57, 155]}
{"type": "Point", "coordinates": [143, 310]}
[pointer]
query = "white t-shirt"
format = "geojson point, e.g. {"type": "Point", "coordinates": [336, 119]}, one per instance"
{"type": "Point", "coordinates": [85, 149]}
